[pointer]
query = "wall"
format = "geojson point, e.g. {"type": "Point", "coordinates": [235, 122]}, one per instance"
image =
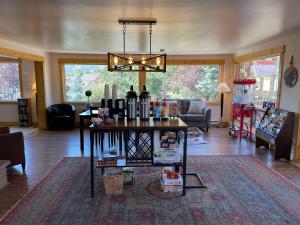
{"type": "Point", "coordinates": [52, 77]}
{"type": "Point", "coordinates": [290, 97]}
{"type": "Point", "coordinates": [9, 111]}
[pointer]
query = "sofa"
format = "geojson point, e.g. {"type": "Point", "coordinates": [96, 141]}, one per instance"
{"type": "Point", "coordinates": [12, 147]}
{"type": "Point", "coordinates": [61, 116]}
{"type": "Point", "coordinates": [201, 120]}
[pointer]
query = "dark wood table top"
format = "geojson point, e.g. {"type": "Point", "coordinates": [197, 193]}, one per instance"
{"type": "Point", "coordinates": [171, 124]}
{"type": "Point", "coordinates": [87, 113]}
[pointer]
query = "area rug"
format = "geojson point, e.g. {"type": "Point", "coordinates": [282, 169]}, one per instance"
{"type": "Point", "coordinates": [240, 190]}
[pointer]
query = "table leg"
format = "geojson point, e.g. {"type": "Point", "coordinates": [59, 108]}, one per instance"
{"type": "Point", "coordinates": [184, 162]}
{"type": "Point", "coordinates": [81, 133]}
{"type": "Point", "coordinates": [92, 162]}
{"type": "Point", "coordinates": [120, 144]}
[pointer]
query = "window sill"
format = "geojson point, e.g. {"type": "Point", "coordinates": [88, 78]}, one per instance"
{"type": "Point", "coordinates": [8, 102]}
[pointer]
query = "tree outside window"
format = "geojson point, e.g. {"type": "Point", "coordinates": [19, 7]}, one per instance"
{"type": "Point", "coordinates": [82, 77]}
{"type": "Point", "coordinates": [9, 82]}
{"type": "Point", "coordinates": [185, 81]}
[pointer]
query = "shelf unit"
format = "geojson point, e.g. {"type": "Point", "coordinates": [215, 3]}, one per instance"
{"type": "Point", "coordinates": [276, 128]}
{"type": "Point", "coordinates": [24, 109]}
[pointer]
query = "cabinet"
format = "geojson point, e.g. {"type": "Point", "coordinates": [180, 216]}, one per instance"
{"type": "Point", "coordinates": [276, 128]}
{"type": "Point", "coordinates": [24, 109]}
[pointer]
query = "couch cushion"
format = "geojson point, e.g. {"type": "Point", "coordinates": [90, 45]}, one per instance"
{"type": "Point", "coordinates": [196, 107]}
{"type": "Point", "coordinates": [194, 117]}
{"type": "Point", "coordinates": [184, 105]}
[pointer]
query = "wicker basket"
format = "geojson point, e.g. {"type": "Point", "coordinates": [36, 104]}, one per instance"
{"type": "Point", "coordinates": [113, 183]}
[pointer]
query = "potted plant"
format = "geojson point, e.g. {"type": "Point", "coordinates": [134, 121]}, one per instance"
{"type": "Point", "coordinates": [88, 94]}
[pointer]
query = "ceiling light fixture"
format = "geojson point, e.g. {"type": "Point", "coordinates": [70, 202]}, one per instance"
{"type": "Point", "coordinates": [148, 62]}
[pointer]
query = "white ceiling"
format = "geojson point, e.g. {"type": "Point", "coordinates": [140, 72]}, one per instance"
{"type": "Point", "coordinates": [183, 26]}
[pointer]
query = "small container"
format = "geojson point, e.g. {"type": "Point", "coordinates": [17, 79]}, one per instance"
{"type": "Point", "coordinates": [131, 104]}
{"type": "Point", "coordinates": [144, 107]}
{"type": "Point", "coordinates": [156, 110]}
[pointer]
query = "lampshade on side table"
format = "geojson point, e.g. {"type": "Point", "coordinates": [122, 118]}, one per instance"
{"type": "Point", "coordinates": [222, 88]}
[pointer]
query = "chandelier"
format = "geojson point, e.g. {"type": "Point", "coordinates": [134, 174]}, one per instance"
{"type": "Point", "coordinates": [148, 62]}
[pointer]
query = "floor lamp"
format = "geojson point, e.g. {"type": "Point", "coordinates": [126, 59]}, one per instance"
{"type": "Point", "coordinates": [222, 88]}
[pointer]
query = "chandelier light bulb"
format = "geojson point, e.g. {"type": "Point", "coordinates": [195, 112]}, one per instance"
{"type": "Point", "coordinates": [158, 61]}
{"type": "Point", "coordinates": [130, 60]}
{"type": "Point", "coordinates": [116, 60]}
{"type": "Point", "coordinates": [143, 60]}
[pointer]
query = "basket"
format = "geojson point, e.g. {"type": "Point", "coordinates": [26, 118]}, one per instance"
{"type": "Point", "coordinates": [113, 182]}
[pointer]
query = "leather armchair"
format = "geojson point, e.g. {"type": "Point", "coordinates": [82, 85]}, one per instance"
{"type": "Point", "coordinates": [61, 116]}
{"type": "Point", "coordinates": [12, 147]}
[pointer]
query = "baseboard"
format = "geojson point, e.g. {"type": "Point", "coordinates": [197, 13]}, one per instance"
{"type": "Point", "coordinates": [7, 124]}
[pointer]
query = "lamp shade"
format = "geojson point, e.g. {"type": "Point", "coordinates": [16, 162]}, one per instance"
{"type": "Point", "coordinates": [223, 88]}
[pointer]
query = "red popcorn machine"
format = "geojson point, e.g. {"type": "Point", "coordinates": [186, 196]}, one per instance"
{"type": "Point", "coordinates": [243, 108]}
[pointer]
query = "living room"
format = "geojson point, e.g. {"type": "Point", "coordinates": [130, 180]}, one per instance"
{"type": "Point", "coordinates": [60, 51]}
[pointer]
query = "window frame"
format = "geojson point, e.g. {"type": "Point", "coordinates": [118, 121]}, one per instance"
{"type": "Point", "coordinates": [142, 76]}
{"type": "Point", "coordinates": [19, 61]}
{"type": "Point", "coordinates": [267, 53]}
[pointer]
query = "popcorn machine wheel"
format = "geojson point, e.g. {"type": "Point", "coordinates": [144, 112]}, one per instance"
{"type": "Point", "coordinates": [243, 108]}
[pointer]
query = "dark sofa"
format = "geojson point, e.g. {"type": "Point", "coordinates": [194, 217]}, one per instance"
{"type": "Point", "coordinates": [61, 116]}
{"type": "Point", "coordinates": [201, 120]}
{"type": "Point", "coordinates": [12, 147]}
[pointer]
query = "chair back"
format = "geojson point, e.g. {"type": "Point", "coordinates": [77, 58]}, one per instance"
{"type": "Point", "coordinates": [4, 130]}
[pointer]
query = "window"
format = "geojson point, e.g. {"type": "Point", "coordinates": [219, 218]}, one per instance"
{"type": "Point", "coordinates": [9, 81]}
{"type": "Point", "coordinates": [266, 71]}
{"type": "Point", "coordinates": [81, 77]}
{"type": "Point", "coordinates": [185, 81]}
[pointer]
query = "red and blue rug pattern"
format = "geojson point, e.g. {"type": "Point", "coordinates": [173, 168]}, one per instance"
{"type": "Point", "coordinates": [240, 190]}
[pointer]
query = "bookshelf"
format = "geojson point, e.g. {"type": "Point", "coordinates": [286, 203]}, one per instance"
{"type": "Point", "coordinates": [24, 109]}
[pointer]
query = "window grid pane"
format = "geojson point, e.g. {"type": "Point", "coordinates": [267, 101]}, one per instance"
{"type": "Point", "coordinates": [266, 71]}
{"type": "Point", "coordinates": [9, 82]}
{"type": "Point", "coordinates": [82, 77]}
{"type": "Point", "coordinates": [185, 81]}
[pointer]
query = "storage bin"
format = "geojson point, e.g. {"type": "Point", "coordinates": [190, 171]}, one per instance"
{"type": "Point", "coordinates": [113, 181]}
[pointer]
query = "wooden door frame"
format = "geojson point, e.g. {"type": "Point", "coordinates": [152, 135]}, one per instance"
{"type": "Point", "coordinates": [39, 76]}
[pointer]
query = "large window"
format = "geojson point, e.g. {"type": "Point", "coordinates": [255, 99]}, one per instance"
{"type": "Point", "coordinates": [9, 81]}
{"type": "Point", "coordinates": [266, 71]}
{"type": "Point", "coordinates": [185, 81]}
{"type": "Point", "coordinates": [81, 77]}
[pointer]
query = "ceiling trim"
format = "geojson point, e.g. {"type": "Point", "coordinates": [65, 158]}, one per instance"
{"type": "Point", "coordinates": [82, 61]}
{"type": "Point", "coordinates": [21, 55]}
{"type": "Point", "coordinates": [259, 54]}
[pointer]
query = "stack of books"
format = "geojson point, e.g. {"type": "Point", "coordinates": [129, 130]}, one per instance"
{"type": "Point", "coordinates": [171, 181]}
{"type": "Point", "coordinates": [168, 153]}
{"type": "Point", "coordinates": [167, 156]}
{"type": "Point", "coordinates": [108, 160]}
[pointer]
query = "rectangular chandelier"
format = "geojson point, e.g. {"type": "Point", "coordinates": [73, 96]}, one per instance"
{"type": "Point", "coordinates": [137, 62]}
{"type": "Point", "coordinates": [149, 62]}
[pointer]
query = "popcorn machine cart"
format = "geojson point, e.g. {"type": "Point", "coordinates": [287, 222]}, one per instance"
{"type": "Point", "coordinates": [242, 108]}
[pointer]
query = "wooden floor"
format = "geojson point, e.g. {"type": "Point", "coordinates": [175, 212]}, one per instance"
{"type": "Point", "coordinates": [45, 149]}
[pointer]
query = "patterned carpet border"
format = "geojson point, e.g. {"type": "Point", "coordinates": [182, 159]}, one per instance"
{"type": "Point", "coordinates": [31, 192]}
{"type": "Point", "coordinates": [192, 161]}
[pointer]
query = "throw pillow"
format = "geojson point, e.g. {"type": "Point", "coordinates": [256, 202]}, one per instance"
{"type": "Point", "coordinates": [196, 107]}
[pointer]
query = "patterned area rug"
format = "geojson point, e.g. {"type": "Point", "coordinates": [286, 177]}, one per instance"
{"type": "Point", "coordinates": [240, 190]}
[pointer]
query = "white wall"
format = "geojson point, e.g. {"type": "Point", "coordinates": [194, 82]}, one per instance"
{"type": "Point", "coordinates": [52, 77]}
{"type": "Point", "coordinates": [290, 97]}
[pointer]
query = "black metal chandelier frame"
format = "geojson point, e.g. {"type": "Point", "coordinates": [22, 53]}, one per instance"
{"type": "Point", "coordinates": [149, 62]}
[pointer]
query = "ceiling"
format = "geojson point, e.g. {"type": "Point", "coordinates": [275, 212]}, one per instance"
{"type": "Point", "coordinates": [183, 26]}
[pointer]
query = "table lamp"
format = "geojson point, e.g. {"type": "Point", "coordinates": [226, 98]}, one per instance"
{"type": "Point", "coordinates": [222, 88]}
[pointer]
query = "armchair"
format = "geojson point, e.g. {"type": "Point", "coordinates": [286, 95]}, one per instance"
{"type": "Point", "coordinates": [61, 116]}
{"type": "Point", "coordinates": [12, 147]}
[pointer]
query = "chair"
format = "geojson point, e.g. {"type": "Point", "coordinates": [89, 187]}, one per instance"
{"type": "Point", "coordinates": [12, 147]}
{"type": "Point", "coordinates": [61, 116]}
